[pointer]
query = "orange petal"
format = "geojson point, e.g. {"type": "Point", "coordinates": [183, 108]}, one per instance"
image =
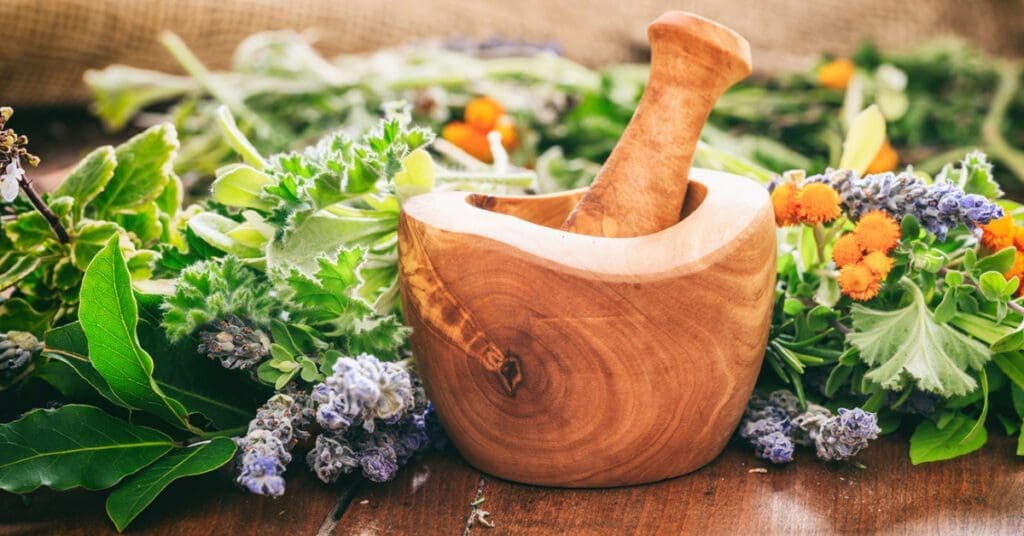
{"type": "Point", "coordinates": [468, 139]}
{"type": "Point", "coordinates": [483, 113]}
{"type": "Point", "coordinates": [836, 74]}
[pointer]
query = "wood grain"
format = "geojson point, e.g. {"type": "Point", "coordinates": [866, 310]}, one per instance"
{"type": "Point", "coordinates": [641, 187]}
{"type": "Point", "coordinates": [518, 329]}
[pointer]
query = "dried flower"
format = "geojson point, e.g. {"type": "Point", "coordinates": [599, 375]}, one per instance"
{"type": "Point", "coordinates": [858, 282]}
{"type": "Point", "coordinates": [16, 351]}
{"type": "Point", "coordinates": [846, 250]}
{"type": "Point", "coordinates": [360, 390]}
{"type": "Point", "coordinates": [836, 74]}
{"type": "Point", "coordinates": [784, 203]}
{"type": "Point", "coordinates": [999, 233]}
{"type": "Point", "coordinates": [846, 434]}
{"type": "Point", "coordinates": [236, 344]}
{"type": "Point", "coordinates": [939, 207]}
{"type": "Point", "coordinates": [378, 454]}
{"type": "Point", "coordinates": [879, 263]}
{"type": "Point", "coordinates": [885, 160]}
{"type": "Point", "coordinates": [817, 203]}
{"type": "Point", "coordinates": [877, 231]}
{"type": "Point", "coordinates": [265, 451]}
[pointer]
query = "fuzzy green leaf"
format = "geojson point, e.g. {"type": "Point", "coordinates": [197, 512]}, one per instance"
{"type": "Point", "coordinates": [331, 293]}
{"type": "Point", "coordinates": [929, 443]}
{"type": "Point", "coordinates": [74, 446]}
{"type": "Point", "coordinates": [143, 169]}
{"type": "Point", "coordinates": [137, 492]}
{"type": "Point", "coordinates": [909, 341]}
{"type": "Point", "coordinates": [109, 316]}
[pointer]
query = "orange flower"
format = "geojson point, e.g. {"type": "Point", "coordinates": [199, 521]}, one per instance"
{"type": "Point", "coordinates": [817, 203]}
{"type": "Point", "coordinates": [886, 160]}
{"type": "Point", "coordinates": [999, 234]}
{"type": "Point", "coordinates": [1018, 239]}
{"type": "Point", "coordinates": [877, 231]}
{"type": "Point", "coordinates": [836, 74]}
{"type": "Point", "coordinates": [483, 113]}
{"type": "Point", "coordinates": [857, 282]}
{"type": "Point", "coordinates": [784, 203]}
{"type": "Point", "coordinates": [846, 250]}
{"type": "Point", "coordinates": [879, 263]}
{"type": "Point", "coordinates": [468, 139]}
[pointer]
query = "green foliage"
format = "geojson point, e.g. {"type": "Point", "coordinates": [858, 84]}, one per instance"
{"type": "Point", "coordinates": [932, 443]}
{"type": "Point", "coordinates": [109, 316]}
{"type": "Point", "coordinates": [213, 289]}
{"type": "Point", "coordinates": [908, 342]}
{"type": "Point", "coordinates": [74, 446]}
{"type": "Point", "coordinates": [136, 493]}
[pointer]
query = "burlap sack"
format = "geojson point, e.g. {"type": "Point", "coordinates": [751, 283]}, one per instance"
{"type": "Point", "coordinates": [47, 44]}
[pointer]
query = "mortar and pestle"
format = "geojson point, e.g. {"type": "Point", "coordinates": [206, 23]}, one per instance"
{"type": "Point", "coordinates": [606, 336]}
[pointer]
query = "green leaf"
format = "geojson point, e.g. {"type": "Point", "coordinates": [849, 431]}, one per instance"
{"type": "Point", "coordinates": [214, 229]}
{"type": "Point", "coordinates": [929, 443]}
{"type": "Point", "coordinates": [947, 307]}
{"type": "Point", "coordinates": [910, 341]}
{"type": "Point", "coordinates": [974, 176]}
{"type": "Point", "coordinates": [89, 177]}
{"type": "Point", "coordinates": [1012, 364]}
{"type": "Point", "coordinates": [17, 314]}
{"type": "Point", "coordinates": [233, 135]}
{"type": "Point", "coordinates": [239, 185]}
{"type": "Point", "coordinates": [979, 426]}
{"type": "Point", "coordinates": [143, 169]}
{"type": "Point", "coordinates": [1000, 262]}
{"type": "Point", "coordinates": [416, 176]}
{"type": "Point", "coordinates": [332, 292]}
{"type": "Point", "coordinates": [137, 492]}
{"type": "Point", "coordinates": [863, 140]}
{"type": "Point", "coordinates": [910, 227]}
{"type": "Point", "coordinates": [68, 345]}
{"type": "Point", "coordinates": [74, 446]}
{"type": "Point", "coordinates": [90, 237]}
{"type": "Point", "coordinates": [109, 316]}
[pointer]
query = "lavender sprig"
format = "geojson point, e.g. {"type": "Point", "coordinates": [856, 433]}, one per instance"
{"type": "Point", "coordinates": [265, 451]}
{"type": "Point", "coordinates": [939, 207]}
{"type": "Point", "coordinates": [361, 390]}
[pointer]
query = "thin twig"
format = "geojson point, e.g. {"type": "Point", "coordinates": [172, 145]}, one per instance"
{"type": "Point", "coordinates": [40, 205]}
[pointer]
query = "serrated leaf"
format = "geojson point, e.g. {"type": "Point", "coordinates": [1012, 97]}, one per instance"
{"type": "Point", "coordinates": [137, 492]}
{"type": "Point", "coordinates": [74, 446]}
{"type": "Point", "coordinates": [109, 317]}
{"type": "Point", "coordinates": [331, 293]}
{"type": "Point", "coordinates": [89, 177]}
{"type": "Point", "coordinates": [975, 176]}
{"type": "Point", "coordinates": [929, 443]}
{"type": "Point", "coordinates": [143, 169]}
{"type": "Point", "coordinates": [910, 341]}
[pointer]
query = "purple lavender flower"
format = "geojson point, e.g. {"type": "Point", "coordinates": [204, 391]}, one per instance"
{"type": "Point", "coordinates": [379, 463]}
{"type": "Point", "coordinates": [846, 434]}
{"type": "Point", "coordinates": [775, 447]}
{"type": "Point", "coordinates": [436, 436]}
{"type": "Point", "coordinates": [331, 457]}
{"type": "Point", "coordinates": [361, 390]}
{"type": "Point", "coordinates": [939, 207]}
{"type": "Point", "coordinates": [265, 451]}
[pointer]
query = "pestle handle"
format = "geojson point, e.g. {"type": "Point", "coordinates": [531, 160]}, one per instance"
{"type": "Point", "coordinates": [641, 187]}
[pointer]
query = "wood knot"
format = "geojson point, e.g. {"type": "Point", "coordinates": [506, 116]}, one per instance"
{"type": "Point", "coordinates": [511, 373]}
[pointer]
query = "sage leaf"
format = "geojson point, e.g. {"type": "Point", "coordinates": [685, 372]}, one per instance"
{"type": "Point", "coordinates": [109, 316]}
{"type": "Point", "coordinates": [929, 443]}
{"type": "Point", "coordinates": [74, 446]}
{"type": "Point", "coordinates": [143, 169]}
{"type": "Point", "coordinates": [137, 492]}
{"type": "Point", "coordinates": [89, 177]}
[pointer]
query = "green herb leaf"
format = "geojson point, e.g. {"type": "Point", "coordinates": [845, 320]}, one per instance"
{"type": "Point", "coordinates": [1000, 262]}
{"type": "Point", "coordinates": [89, 177]}
{"type": "Point", "coordinates": [74, 446]}
{"type": "Point", "coordinates": [109, 316]}
{"type": "Point", "coordinates": [17, 314]}
{"type": "Point", "coordinates": [68, 345]}
{"type": "Point", "coordinates": [137, 492]}
{"type": "Point", "coordinates": [909, 340]}
{"type": "Point", "coordinates": [143, 169]}
{"type": "Point", "coordinates": [929, 443]}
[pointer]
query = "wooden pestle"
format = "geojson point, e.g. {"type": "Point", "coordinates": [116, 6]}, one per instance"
{"type": "Point", "coordinates": [641, 187]}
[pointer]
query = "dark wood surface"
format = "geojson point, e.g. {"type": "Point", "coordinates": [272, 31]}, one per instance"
{"type": "Point", "coordinates": [982, 493]}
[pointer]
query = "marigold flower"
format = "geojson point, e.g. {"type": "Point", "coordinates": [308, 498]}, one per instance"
{"type": "Point", "coordinates": [885, 160]}
{"type": "Point", "coordinates": [846, 250]}
{"type": "Point", "coordinates": [877, 231]}
{"type": "Point", "coordinates": [1018, 239]}
{"type": "Point", "coordinates": [468, 139]}
{"type": "Point", "coordinates": [817, 203]}
{"type": "Point", "coordinates": [507, 129]}
{"type": "Point", "coordinates": [784, 203]}
{"type": "Point", "coordinates": [857, 282]}
{"type": "Point", "coordinates": [999, 234]}
{"type": "Point", "coordinates": [879, 263]}
{"type": "Point", "coordinates": [836, 74]}
{"type": "Point", "coordinates": [483, 113]}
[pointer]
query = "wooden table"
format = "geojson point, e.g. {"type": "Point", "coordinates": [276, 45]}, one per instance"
{"type": "Point", "coordinates": [982, 493]}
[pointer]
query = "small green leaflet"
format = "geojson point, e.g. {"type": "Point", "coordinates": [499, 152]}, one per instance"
{"type": "Point", "coordinates": [931, 444]}
{"type": "Point", "coordinates": [109, 316]}
{"type": "Point", "coordinates": [332, 292]}
{"type": "Point", "coordinates": [143, 169]}
{"type": "Point", "coordinates": [74, 446]}
{"type": "Point", "coordinates": [910, 341]}
{"type": "Point", "coordinates": [137, 492]}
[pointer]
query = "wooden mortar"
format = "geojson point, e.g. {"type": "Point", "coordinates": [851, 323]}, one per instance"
{"type": "Point", "coordinates": [567, 359]}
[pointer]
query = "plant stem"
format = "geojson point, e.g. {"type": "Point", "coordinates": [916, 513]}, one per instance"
{"type": "Point", "coordinates": [995, 143]}
{"type": "Point", "coordinates": [230, 432]}
{"type": "Point", "coordinates": [48, 215]}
